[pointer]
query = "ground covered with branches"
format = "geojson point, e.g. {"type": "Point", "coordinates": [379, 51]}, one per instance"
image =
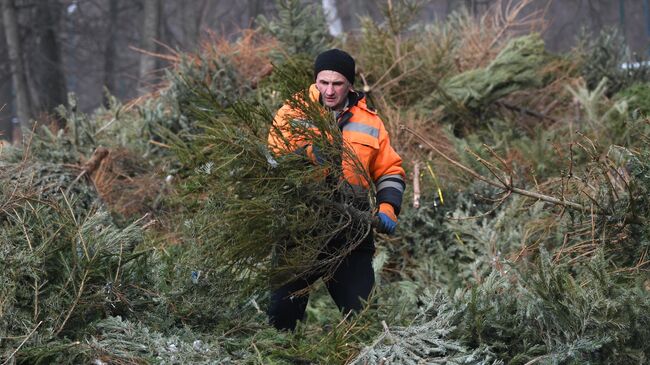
{"type": "Point", "coordinates": [150, 232]}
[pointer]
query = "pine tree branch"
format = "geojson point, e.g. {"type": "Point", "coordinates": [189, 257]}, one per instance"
{"type": "Point", "coordinates": [74, 304]}
{"type": "Point", "coordinates": [21, 344]}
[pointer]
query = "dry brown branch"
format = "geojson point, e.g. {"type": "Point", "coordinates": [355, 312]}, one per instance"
{"type": "Point", "coordinates": [162, 56]}
{"type": "Point", "coordinates": [377, 85]}
{"type": "Point", "coordinates": [482, 40]}
{"type": "Point", "coordinates": [249, 54]}
{"type": "Point", "coordinates": [126, 186]}
{"type": "Point", "coordinates": [493, 169]}
{"type": "Point", "coordinates": [90, 166]}
{"type": "Point", "coordinates": [510, 19]}
{"type": "Point", "coordinates": [499, 184]}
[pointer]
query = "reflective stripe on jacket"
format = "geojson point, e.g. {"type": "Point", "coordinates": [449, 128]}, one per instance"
{"type": "Point", "coordinates": [364, 132]}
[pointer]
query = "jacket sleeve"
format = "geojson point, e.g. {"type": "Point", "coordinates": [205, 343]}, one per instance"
{"type": "Point", "coordinates": [388, 175]}
{"type": "Point", "coordinates": [280, 138]}
{"type": "Point", "coordinates": [283, 139]}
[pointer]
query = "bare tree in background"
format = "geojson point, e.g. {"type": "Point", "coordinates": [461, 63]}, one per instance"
{"type": "Point", "coordinates": [150, 29]}
{"type": "Point", "coordinates": [109, 50]}
{"type": "Point", "coordinates": [94, 37]}
{"type": "Point", "coordinates": [6, 90]}
{"type": "Point", "coordinates": [14, 48]}
{"type": "Point", "coordinates": [45, 65]}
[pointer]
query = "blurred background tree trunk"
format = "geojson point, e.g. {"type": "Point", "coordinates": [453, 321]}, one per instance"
{"type": "Point", "coordinates": [18, 77]}
{"type": "Point", "coordinates": [6, 89]}
{"type": "Point", "coordinates": [150, 35]}
{"type": "Point", "coordinates": [45, 66]}
{"type": "Point", "coordinates": [109, 50]}
{"type": "Point", "coordinates": [332, 16]}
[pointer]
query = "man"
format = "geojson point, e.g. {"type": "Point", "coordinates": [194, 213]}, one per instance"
{"type": "Point", "coordinates": [363, 132]}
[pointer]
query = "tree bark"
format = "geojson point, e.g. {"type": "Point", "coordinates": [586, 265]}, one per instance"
{"type": "Point", "coordinates": [19, 81]}
{"type": "Point", "coordinates": [109, 51]}
{"type": "Point", "coordinates": [6, 91]}
{"type": "Point", "coordinates": [46, 64]}
{"type": "Point", "coordinates": [150, 29]}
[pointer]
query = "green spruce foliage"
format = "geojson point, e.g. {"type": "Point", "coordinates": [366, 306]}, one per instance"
{"type": "Point", "coordinates": [545, 314]}
{"type": "Point", "coordinates": [607, 55]}
{"type": "Point", "coordinates": [517, 67]}
{"type": "Point", "coordinates": [300, 27]}
{"type": "Point", "coordinates": [65, 262]}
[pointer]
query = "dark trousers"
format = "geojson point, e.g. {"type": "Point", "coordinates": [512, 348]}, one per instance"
{"type": "Point", "coordinates": [351, 283]}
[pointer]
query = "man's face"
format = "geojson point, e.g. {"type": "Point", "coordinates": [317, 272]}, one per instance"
{"type": "Point", "coordinates": [333, 87]}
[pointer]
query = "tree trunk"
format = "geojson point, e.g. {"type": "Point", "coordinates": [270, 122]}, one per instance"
{"type": "Point", "coordinates": [109, 51]}
{"type": "Point", "coordinates": [332, 16]}
{"type": "Point", "coordinates": [46, 65]}
{"type": "Point", "coordinates": [6, 93]}
{"type": "Point", "coordinates": [149, 37]}
{"type": "Point", "coordinates": [19, 81]}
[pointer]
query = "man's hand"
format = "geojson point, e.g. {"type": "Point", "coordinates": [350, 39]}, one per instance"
{"type": "Point", "coordinates": [387, 219]}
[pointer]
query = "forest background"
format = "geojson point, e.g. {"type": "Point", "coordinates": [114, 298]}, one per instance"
{"type": "Point", "coordinates": [84, 46]}
{"type": "Point", "coordinates": [145, 230]}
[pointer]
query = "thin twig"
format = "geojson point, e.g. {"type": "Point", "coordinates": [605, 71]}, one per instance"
{"type": "Point", "coordinates": [21, 344]}
{"type": "Point", "coordinates": [535, 360]}
{"type": "Point", "coordinates": [37, 287]}
{"type": "Point", "coordinates": [489, 166]}
{"type": "Point", "coordinates": [74, 304]}
{"type": "Point", "coordinates": [74, 219]}
{"type": "Point", "coordinates": [29, 144]}
{"type": "Point", "coordinates": [170, 58]}
{"type": "Point", "coordinates": [22, 223]}
{"type": "Point", "coordinates": [416, 184]}
{"type": "Point", "coordinates": [387, 72]}
{"type": "Point", "coordinates": [506, 167]}
{"type": "Point", "coordinates": [257, 351]}
{"type": "Point", "coordinates": [119, 263]}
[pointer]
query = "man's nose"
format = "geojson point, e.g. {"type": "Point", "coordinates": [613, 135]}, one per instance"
{"type": "Point", "coordinates": [329, 90]}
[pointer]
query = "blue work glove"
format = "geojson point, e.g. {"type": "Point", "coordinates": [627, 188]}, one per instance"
{"type": "Point", "coordinates": [312, 152]}
{"type": "Point", "coordinates": [317, 155]}
{"type": "Point", "coordinates": [387, 219]}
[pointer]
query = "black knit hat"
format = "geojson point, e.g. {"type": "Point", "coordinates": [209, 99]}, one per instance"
{"type": "Point", "coordinates": [335, 60]}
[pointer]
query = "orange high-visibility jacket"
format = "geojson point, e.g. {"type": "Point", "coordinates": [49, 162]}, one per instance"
{"type": "Point", "coordinates": [364, 132]}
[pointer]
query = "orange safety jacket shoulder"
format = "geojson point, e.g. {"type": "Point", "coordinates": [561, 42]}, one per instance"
{"type": "Point", "coordinates": [365, 134]}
